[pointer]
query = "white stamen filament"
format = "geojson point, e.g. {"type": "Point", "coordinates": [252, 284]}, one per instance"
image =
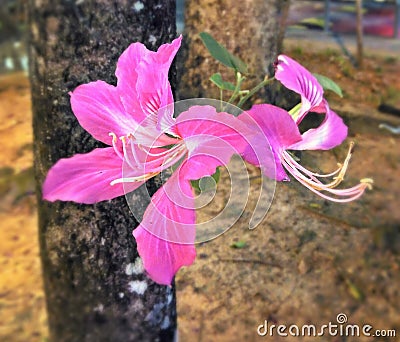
{"type": "Point", "coordinates": [163, 159]}
{"type": "Point", "coordinates": [114, 144]}
{"type": "Point", "coordinates": [310, 179]}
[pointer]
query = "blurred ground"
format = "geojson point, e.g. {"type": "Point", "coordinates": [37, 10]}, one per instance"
{"type": "Point", "coordinates": [22, 308]}
{"type": "Point", "coordinates": [310, 259]}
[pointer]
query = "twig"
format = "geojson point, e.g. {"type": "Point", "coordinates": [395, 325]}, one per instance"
{"type": "Point", "coordinates": [253, 261]}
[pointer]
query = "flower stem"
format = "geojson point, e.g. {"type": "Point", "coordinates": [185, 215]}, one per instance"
{"type": "Point", "coordinates": [254, 90]}
{"type": "Point", "coordinates": [236, 92]}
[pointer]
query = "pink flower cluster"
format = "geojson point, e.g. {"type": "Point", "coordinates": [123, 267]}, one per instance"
{"type": "Point", "coordinates": [135, 118]}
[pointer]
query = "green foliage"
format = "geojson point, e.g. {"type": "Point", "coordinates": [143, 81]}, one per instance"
{"type": "Point", "coordinates": [206, 183]}
{"type": "Point", "coordinates": [221, 54]}
{"type": "Point", "coordinates": [220, 83]}
{"type": "Point", "coordinates": [328, 84]}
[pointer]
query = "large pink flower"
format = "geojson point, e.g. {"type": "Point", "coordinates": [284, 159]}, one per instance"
{"type": "Point", "coordinates": [136, 119]}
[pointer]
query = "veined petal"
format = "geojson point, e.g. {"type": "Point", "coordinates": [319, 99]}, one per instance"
{"type": "Point", "coordinates": [331, 133]}
{"type": "Point", "coordinates": [279, 130]}
{"type": "Point", "coordinates": [207, 132]}
{"type": "Point", "coordinates": [99, 110]}
{"type": "Point", "coordinates": [127, 78]}
{"type": "Point", "coordinates": [152, 69]}
{"type": "Point", "coordinates": [153, 89]}
{"type": "Point", "coordinates": [86, 178]}
{"type": "Point", "coordinates": [165, 238]}
{"type": "Point", "coordinates": [297, 78]}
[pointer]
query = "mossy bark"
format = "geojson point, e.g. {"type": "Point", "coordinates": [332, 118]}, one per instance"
{"type": "Point", "coordinates": [94, 288]}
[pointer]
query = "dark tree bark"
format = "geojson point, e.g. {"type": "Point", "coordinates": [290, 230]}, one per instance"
{"type": "Point", "coordinates": [248, 28]}
{"type": "Point", "coordinates": [95, 289]}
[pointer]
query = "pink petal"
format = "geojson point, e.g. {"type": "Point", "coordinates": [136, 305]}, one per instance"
{"type": "Point", "coordinates": [199, 166]}
{"type": "Point", "coordinates": [207, 132]}
{"type": "Point", "coordinates": [279, 130]}
{"type": "Point", "coordinates": [85, 178]}
{"type": "Point", "coordinates": [162, 259]}
{"type": "Point", "coordinates": [153, 89]}
{"type": "Point", "coordinates": [297, 78]}
{"type": "Point", "coordinates": [127, 78]}
{"type": "Point", "coordinates": [166, 52]}
{"type": "Point", "coordinates": [165, 238]}
{"type": "Point", "coordinates": [99, 111]}
{"type": "Point", "coordinates": [139, 69]}
{"type": "Point", "coordinates": [329, 134]}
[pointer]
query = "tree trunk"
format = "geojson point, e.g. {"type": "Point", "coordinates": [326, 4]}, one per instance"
{"type": "Point", "coordinates": [359, 9]}
{"type": "Point", "coordinates": [248, 28]}
{"type": "Point", "coordinates": [95, 287]}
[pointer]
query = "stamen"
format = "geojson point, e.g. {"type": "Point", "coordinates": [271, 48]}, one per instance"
{"type": "Point", "coordinates": [114, 144]}
{"type": "Point", "coordinates": [310, 179]}
{"type": "Point", "coordinates": [126, 157]}
{"type": "Point", "coordinates": [164, 160]}
{"type": "Point", "coordinates": [141, 178]}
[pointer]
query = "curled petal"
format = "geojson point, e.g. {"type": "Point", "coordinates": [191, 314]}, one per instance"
{"type": "Point", "coordinates": [166, 52]}
{"type": "Point", "coordinates": [331, 133]}
{"type": "Point", "coordinates": [86, 178]}
{"type": "Point", "coordinates": [297, 78]}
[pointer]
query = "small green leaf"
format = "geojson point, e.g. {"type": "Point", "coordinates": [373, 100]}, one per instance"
{"type": "Point", "coordinates": [239, 244]}
{"type": "Point", "coordinates": [220, 83]}
{"type": "Point", "coordinates": [328, 84]}
{"type": "Point", "coordinates": [220, 53]}
{"type": "Point", "coordinates": [206, 183]}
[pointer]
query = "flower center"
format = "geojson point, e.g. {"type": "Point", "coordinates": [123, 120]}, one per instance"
{"type": "Point", "coordinates": [143, 162]}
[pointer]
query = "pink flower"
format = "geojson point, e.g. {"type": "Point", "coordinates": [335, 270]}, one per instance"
{"type": "Point", "coordinates": [281, 130]}
{"type": "Point", "coordinates": [139, 112]}
{"type": "Point", "coordinates": [332, 131]}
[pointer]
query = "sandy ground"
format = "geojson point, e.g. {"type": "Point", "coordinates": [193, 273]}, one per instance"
{"type": "Point", "coordinates": [22, 307]}
{"type": "Point", "coordinates": [307, 262]}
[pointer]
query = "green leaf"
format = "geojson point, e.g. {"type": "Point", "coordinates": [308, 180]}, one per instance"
{"type": "Point", "coordinates": [239, 244]}
{"type": "Point", "coordinates": [328, 84]}
{"type": "Point", "coordinates": [206, 183]}
{"type": "Point", "coordinates": [221, 54]}
{"type": "Point", "coordinates": [220, 83]}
